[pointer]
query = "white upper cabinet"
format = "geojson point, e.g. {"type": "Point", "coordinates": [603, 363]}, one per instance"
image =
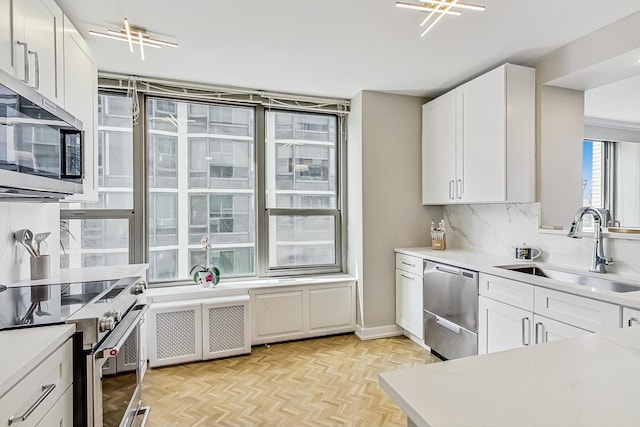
{"type": "Point", "coordinates": [6, 31]}
{"type": "Point", "coordinates": [439, 150]}
{"type": "Point", "coordinates": [479, 140]}
{"type": "Point", "coordinates": [81, 100]}
{"type": "Point", "coordinates": [37, 46]}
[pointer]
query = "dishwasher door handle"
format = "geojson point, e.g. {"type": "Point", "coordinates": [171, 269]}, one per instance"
{"type": "Point", "coordinates": [447, 270]}
{"type": "Point", "coordinates": [449, 325]}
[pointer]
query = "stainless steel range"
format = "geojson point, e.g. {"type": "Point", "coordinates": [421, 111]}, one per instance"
{"type": "Point", "coordinates": [108, 320]}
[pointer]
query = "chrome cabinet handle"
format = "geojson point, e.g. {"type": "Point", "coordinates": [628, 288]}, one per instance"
{"type": "Point", "coordinates": [406, 277]}
{"type": "Point", "coordinates": [451, 190]}
{"type": "Point", "coordinates": [26, 60]}
{"type": "Point", "coordinates": [46, 391]}
{"type": "Point", "coordinates": [459, 189]}
{"type": "Point", "coordinates": [37, 67]}
{"type": "Point", "coordinates": [632, 320]}
{"type": "Point", "coordinates": [526, 328]}
{"type": "Point", "coordinates": [406, 263]}
{"type": "Point", "coordinates": [539, 340]}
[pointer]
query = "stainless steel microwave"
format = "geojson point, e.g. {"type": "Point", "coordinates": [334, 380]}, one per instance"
{"type": "Point", "coordinates": [41, 145]}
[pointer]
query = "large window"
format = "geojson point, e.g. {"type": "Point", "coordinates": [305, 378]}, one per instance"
{"type": "Point", "coordinates": [201, 167]}
{"type": "Point", "coordinates": [301, 189]}
{"type": "Point", "coordinates": [186, 169]}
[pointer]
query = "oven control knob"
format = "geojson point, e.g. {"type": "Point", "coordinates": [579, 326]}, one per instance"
{"type": "Point", "coordinates": [115, 314]}
{"type": "Point", "coordinates": [107, 323]}
{"type": "Point", "coordinates": [139, 288]}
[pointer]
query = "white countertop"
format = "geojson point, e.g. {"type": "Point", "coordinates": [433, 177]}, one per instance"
{"type": "Point", "coordinates": [89, 274]}
{"type": "Point", "coordinates": [23, 349]}
{"type": "Point", "coordinates": [487, 263]}
{"type": "Point", "coordinates": [592, 380]}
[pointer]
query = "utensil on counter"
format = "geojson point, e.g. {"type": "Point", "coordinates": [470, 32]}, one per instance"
{"type": "Point", "coordinates": [38, 239]}
{"type": "Point", "coordinates": [25, 238]}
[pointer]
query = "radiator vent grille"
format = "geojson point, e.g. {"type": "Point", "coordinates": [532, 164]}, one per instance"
{"type": "Point", "coordinates": [226, 328]}
{"type": "Point", "coordinates": [175, 334]}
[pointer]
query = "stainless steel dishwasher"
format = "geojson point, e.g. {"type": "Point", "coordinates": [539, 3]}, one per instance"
{"type": "Point", "coordinates": [450, 310]}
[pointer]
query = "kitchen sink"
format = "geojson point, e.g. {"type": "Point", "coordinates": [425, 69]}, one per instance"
{"type": "Point", "coordinates": [574, 278]}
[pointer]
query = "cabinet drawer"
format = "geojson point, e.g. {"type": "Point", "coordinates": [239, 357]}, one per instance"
{"type": "Point", "coordinates": [56, 370]}
{"type": "Point", "coordinates": [508, 291]}
{"type": "Point", "coordinates": [585, 313]}
{"type": "Point", "coordinates": [410, 264]}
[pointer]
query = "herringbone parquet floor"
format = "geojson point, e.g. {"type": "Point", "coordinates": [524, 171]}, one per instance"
{"type": "Point", "coordinates": [330, 381]}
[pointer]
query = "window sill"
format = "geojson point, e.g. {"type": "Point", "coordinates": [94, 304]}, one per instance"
{"type": "Point", "coordinates": [175, 291]}
{"type": "Point", "coordinates": [605, 233]}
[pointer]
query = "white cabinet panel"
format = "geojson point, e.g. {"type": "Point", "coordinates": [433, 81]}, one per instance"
{"type": "Point", "coordinates": [502, 327]}
{"type": "Point", "coordinates": [330, 308]}
{"type": "Point", "coordinates": [630, 317]}
{"type": "Point", "coordinates": [278, 315]}
{"type": "Point", "coordinates": [409, 310]}
{"type": "Point", "coordinates": [585, 313]}
{"type": "Point", "coordinates": [549, 330]}
{"type": "Point", "coordinates": [81, 100]}
{"type": "Point", "coordinates": [481, 143]}
{"type": "Point", "coordinates": [6, 36]}
{"type": "Point", "coordinates": [38, 24]}
{"type": "Point", "coordinates": [438, 149]}
{"type": "Point", "coordinates": [226, 327]}
{"type": "Point", "coordinates": [508, 291]}
{"type": "Point", "coordinates": [48, 381]}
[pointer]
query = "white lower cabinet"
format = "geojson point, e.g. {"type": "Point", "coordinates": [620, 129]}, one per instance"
{"type": "Point", "coordinates": [630, 317]}
{"type": "Point", "coordinates": [295, 312]}
{"type": "Point", "coordinates": [502, 326]}
{"type": "Point", "coordinates": [513, 314]}
{"type": "Point", "coordinates": [46, 388]}
{"type": "Point", "coordinates": [184, 331]}
{"type": "Point", "coordinates": [409, 304]}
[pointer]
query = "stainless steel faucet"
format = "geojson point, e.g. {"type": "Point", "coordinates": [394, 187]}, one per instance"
{"type": "Point", "coordinates": [600, 216]}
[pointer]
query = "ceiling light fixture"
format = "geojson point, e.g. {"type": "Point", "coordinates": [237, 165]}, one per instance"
{"type": "Point", "coordinates": [134, 35]}
{"type": "Point", "coordinates": [438, 9]}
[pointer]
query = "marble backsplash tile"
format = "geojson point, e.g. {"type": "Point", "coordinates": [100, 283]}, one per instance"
{"type": "Point", "coordinates": [497, 228]}
{"type": "Point", "coordinates": [38, 217]}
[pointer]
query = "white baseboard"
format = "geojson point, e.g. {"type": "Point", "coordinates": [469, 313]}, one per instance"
{"type": "Point", "coordinates": [378, 332]}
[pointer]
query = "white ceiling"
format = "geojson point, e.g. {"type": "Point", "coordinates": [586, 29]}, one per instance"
{"type": "Point", "coordinates": [334, 47]}
{"type": "Point", "coordinates": [619, 101]}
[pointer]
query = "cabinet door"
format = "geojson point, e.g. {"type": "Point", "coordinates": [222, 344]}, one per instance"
{"type": "Point", "coordinates": [549, 330]}
{"type": "Point", "coordinates": [81, 100]}
{"type": "Point", "coordinates": [6, 36]}
{"type": "Point", "coordinates": [225, 330]}
{"type": "Point", "coordinates": [585, 313]}
{"type": "Point", "coordinates": [508, 291]}
{"type": "Point", "coordinates": [278, 316]}
{"type": "Point", "coordinates": [438, 150]}
{"type": "Point", "coordinates": [409, 310]}
{"type": "Point", "coordinates": [502, 326]}
{"type": "Point", "coordinates": [481, 139]}
{"type": "Point", "coordinates": [41, 21]}
{"type": "Point", "coordinates": [630, 317]}
{"type": "Point", "coordinates": [332, 309]}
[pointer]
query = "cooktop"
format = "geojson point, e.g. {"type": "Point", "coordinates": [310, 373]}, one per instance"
{"type": "Point", "coordinates": [39, 305]}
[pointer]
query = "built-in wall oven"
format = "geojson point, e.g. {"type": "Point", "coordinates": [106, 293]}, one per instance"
{"type": "Point", "coordinates": [450, 310]}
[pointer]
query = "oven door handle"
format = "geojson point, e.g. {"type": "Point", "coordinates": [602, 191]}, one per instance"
{"type": "Point", "coordinates": [112, 345]}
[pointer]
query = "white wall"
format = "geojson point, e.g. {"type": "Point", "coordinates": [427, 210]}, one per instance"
{"type": "Point", "coordinates": [384, 173]}
{"type": "Point", "coordinates": [496, 228]}
{"type": "Point", "coordinates": [38, 217]}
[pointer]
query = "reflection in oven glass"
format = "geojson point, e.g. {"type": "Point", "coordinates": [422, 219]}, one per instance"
{"type": "Point", "coordinates": [117, 391]}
